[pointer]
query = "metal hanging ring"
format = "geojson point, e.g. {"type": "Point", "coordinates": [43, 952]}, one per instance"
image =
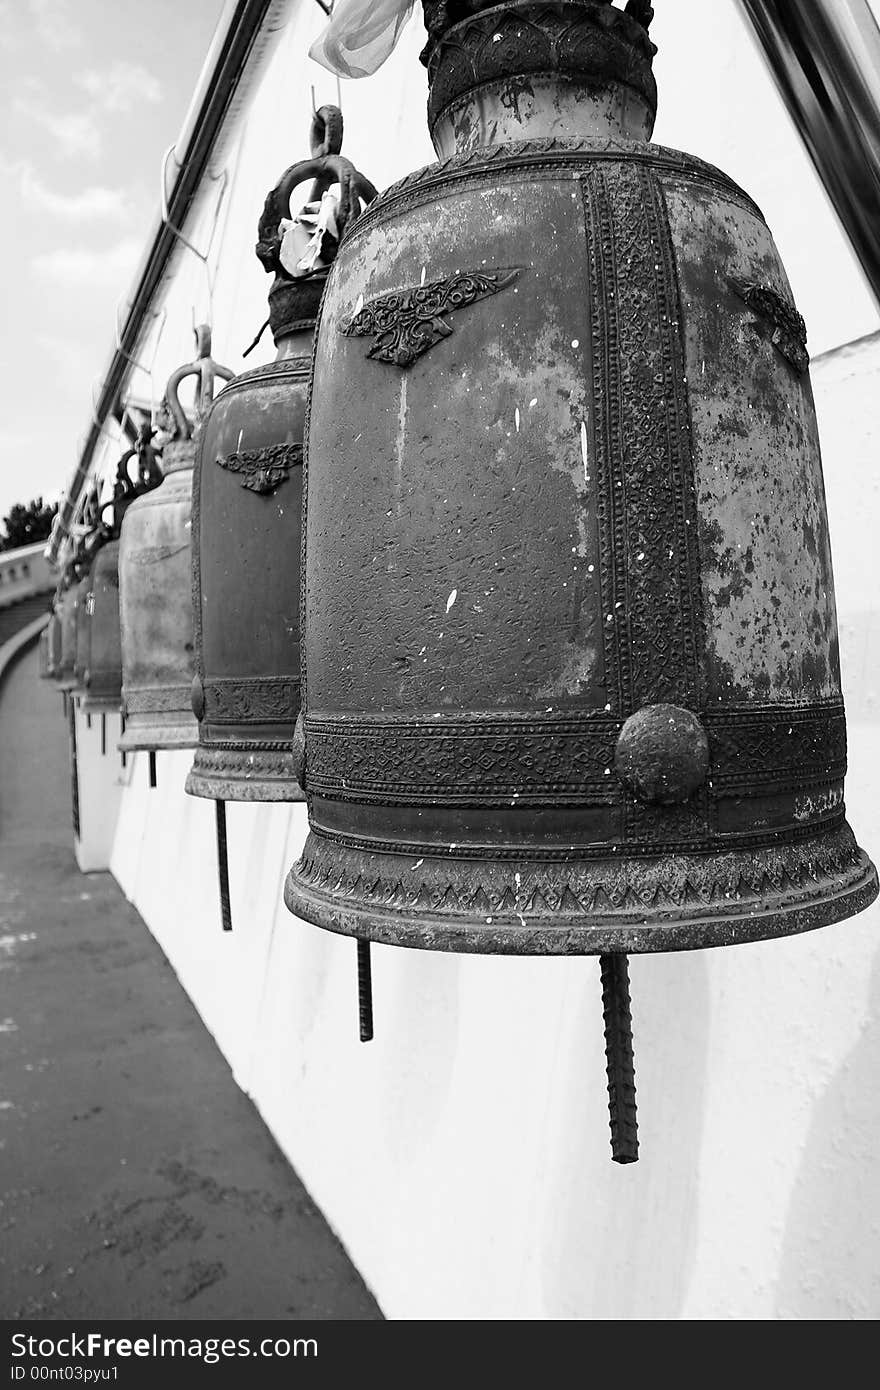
{"type": "Point", "coordinates": [325, 136]}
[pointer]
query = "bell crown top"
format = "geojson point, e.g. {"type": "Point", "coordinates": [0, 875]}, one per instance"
{"type": "Point", "coordinates": [88, 533]}
{"type": "Point", "coordinates": [591, 45]}
{"type": "Point", "coordinates": [325, 166]}
{"type": "Point", "coordinates": [442, 15]}
{"type": "Point", "coordinates": [125, 488]}
{"type": "Point", "coordinates": [173, 418]}
{"type": "Point", "coordinates": [299, 248]}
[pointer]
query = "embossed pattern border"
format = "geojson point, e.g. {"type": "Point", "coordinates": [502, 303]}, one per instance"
{"type": "Point", "coordinates": [479, 758]}
{"type": "Point", "coordinates": [649, 563]}
{"type": "Point", "coordinates": [256, 699]}
{"type": "Point", "coordinates": [539, 158]}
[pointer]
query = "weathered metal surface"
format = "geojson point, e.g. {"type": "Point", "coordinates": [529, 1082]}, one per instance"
{"type": "Point", "coordinates": [247, 522]}
{"type": "Point", "coordinates": [155, 602]}
{"type": "Point", "coordinates": [599, 494]}
{"type": "Point", "coordinates": [245, 589]}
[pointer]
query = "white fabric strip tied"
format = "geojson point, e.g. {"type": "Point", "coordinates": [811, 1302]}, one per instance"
{"type": "Point", "coordinates": [359, 35]}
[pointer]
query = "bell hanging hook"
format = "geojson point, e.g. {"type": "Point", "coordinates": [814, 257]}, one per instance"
{"type": "Point", "coordinates": [165, 211]}
{"type": "Point", "coordinates": [117, 335]}
{"type": "Point", "coordinates": [204, 256]}
{"type": "Point", "coordinates": [100, 425]}
{"type": "Point", "coordinates": [163, 319]}
{"type": "Point", "coordinates": [327, 7]}
{"type": "Point", "coordinates": [206, 369]}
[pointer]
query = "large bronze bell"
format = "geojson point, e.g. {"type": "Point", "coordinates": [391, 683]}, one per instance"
{"type": "Point", "coordinates": [247, 510]}
{"type": "Point", "coordinates": [155, 598]}
{"type": "Point", "coordinates": [571, 677]}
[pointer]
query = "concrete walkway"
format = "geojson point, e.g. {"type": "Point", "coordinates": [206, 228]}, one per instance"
{"type": "Point", "coordinates": [136, 1180]}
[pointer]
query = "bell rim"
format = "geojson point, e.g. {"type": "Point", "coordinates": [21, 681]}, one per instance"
{"type": "Point", "coordinates": [102, 704]}
{"type": "Point", "coordinates": [255, 789]}
{"type": "Point", "coordinates": [150, 737]}
{"type": "Point", "coordinates": [254, 772]}
{"type": "Point", "coordinates": [674, 928]}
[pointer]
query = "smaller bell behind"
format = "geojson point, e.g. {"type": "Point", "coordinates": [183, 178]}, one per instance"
{"type": "Point", "coordinates": [247, 502]}
{"type": "Point", "coordinates": [154, 577]}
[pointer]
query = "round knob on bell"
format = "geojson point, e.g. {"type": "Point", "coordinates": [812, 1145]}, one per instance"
{"type": "Point", "coordinates": [197, 696]}
{"type": "Point", "coordinates": [662, 755]}
{"type": "Point", "coordinates": [299, 751]}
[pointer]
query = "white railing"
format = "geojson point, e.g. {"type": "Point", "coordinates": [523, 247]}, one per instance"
{"type": "Point", "coordinates": [23, 572]}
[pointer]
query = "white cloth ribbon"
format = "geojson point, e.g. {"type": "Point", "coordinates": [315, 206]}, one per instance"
{"type": "Point", "coordinates": [302, 237]}
{"type": "Point", "coordinates": [360, 34]}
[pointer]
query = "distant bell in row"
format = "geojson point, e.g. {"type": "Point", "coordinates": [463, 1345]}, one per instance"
{"type": "Point", "coordinates": [154, 576]}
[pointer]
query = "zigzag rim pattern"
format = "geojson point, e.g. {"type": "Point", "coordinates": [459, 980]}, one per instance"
{"type": "Point", "coordinates": [244, 772]}
{"type": "Point", "coordinates": [695, 901]}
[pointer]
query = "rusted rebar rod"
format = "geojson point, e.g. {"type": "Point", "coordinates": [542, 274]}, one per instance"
{"type": "Point", "coordinates": [365, 991]}
{"type": "Point", "coordinates": [153, 778]}
{"type": "Point", "coordinates": [74, 766]}
{"type": "Point", "coordinates": [619, 1059]}
{"type": "Point", "coordinates": [223, 867]}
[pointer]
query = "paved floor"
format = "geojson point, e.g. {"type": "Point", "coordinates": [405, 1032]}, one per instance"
{"type": "Point", "coordinates": [136, 1180]}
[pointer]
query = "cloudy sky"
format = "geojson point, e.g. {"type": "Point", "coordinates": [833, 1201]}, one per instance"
{"type": "Point", "coordinates": [92, 94]}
